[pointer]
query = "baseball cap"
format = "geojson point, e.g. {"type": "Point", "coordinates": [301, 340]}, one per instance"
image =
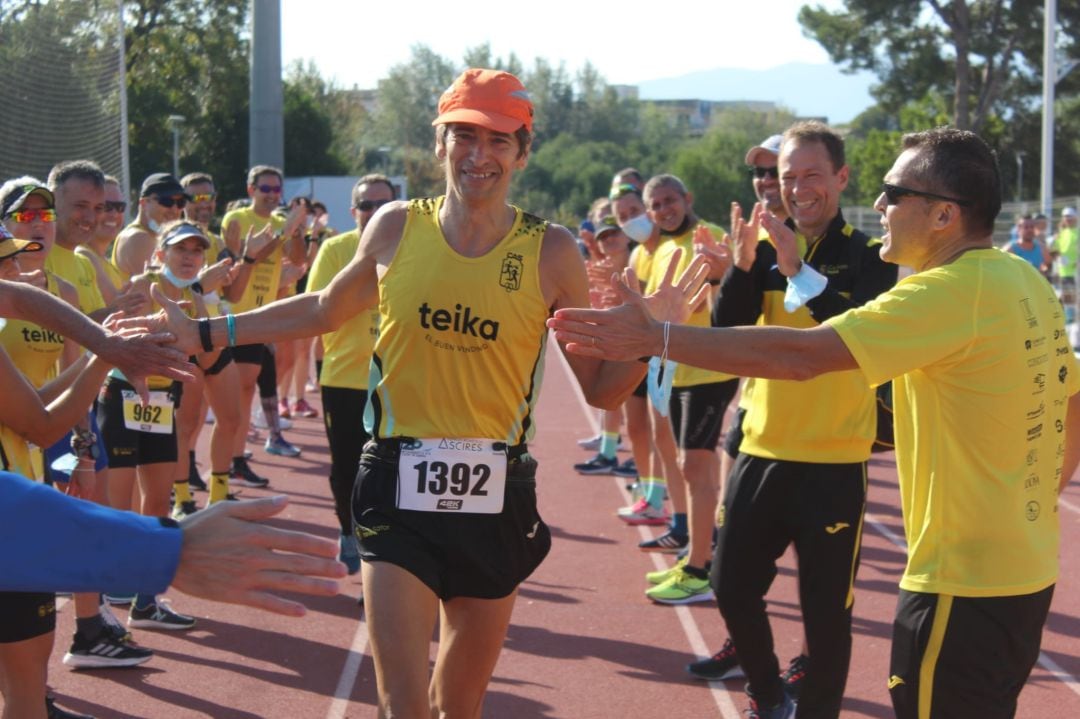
{"type": "Point", "coordinates": [10, 247]}
{"type": "Point", "coordinates": [181, 232]}
{"type": "Point", "coordinates": [1069, 212]}
{"type": "Point", "coordinates": [606, 225]}
{"type": "Point", "coordinates": [770, 145]}
{"type": "Point", "coordinates": [161, 183]}
{"type": "Point", "coordinates": [490, 98]}
{"type": "Point", "coordinates": [15, 198]}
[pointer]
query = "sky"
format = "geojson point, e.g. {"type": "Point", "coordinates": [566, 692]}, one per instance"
{"type": "Point", "coordinates": [353, 44]}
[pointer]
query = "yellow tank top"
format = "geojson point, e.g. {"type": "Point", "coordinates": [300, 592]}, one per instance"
{"type": "Point", "coordinates": [262, 287]}
{"type": "Point", "coordinates": [35, 352]}
{"type": "Point", "coordinates": [461, 340]}
{"type": "Point", "coordinates": [157, 382]}
{"type": "Point", "coordinates": [33, 349]}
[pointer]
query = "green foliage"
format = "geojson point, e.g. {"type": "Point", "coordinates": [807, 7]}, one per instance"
{"type": "Point", "coordinates": [309, 129]}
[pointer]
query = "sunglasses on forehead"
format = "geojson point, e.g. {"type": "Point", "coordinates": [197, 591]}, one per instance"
{"type": "Point", "coordinates": [621, 190]}
{"type": "Point", "coordinates": [45, 215]}
{"type": "Point", "coordinates": [370, 205]}
{"type": "Point", "coordinates": [893, 193]}
{"type": "Point", "coordinates": [176, 201]}
{"type": "Point", "coordinates": [762, 172]}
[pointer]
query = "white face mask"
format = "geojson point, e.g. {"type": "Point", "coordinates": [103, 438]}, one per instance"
{"type": "Point", "coordinates": [639, 228]}
{"type": "Point", "coordinates": [153, 226]}
{"type": "Point", "coordinates": [176, 281]}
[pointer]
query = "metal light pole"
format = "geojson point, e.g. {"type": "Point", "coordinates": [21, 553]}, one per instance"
{"type": "Point", "coordinates": [176, 121]}
{"type": "Point", "coordinates": [1046, 194]}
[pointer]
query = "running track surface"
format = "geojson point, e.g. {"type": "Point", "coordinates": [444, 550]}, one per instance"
{"type": "Point", "coordinates": [584, 641]}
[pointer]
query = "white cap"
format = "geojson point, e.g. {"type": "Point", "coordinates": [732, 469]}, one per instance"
{"type": "Point", "coordinates": [771, 145]}
{"type": "Point", "coordinates": [1068, 212]}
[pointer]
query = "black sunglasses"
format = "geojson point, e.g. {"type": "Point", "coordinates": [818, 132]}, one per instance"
{"type": "Point", "coordinates": [893, 193]}
{"type": "Point", "coordinates": [370, 205]}
{"type": "Point", "coordinates": [762, 172]}
{"type": "Point", "coordinates": [114, 206]}
{"type": "Point", "coordinates": [178, 201]}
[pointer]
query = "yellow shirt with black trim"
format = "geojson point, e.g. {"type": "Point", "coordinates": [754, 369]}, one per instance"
{"type": "Point", "coordinates": [983, 371]}
{"type": "Point", "coordinates": [79, 271]}
{"type": "Point", "coordinates": [833, 417]}
{"type": "Point", "coordinates": [34, 351]}
{"type": "Point", "coordinates": [685, 375]}
{"type": "Point", "coordinates": [460, 351]}
{"type": "Point", "coordinates": [262, 286]}
{"type": "Point", "coordinates": [347, 350]}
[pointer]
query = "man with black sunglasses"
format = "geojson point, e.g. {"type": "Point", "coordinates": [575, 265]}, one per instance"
{"type": "Point", "coordinates": [343, 378]}
{"type": "Point", "coordinates": [257, 283]}
{"type": "Point", "coordinates": [987, 420]}
{"type": "Point", "coordinates": [161, 200]}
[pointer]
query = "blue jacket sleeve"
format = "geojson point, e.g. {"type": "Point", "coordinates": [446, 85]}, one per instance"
{"type": "Point", "coordinates": [50, 542]}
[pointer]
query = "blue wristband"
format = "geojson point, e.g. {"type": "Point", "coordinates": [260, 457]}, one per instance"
{"type": "Point", "coordinates": [230, 324]}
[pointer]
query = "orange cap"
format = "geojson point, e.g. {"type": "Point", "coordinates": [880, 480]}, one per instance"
{"type": "Point", "coordinates": [490, 98]}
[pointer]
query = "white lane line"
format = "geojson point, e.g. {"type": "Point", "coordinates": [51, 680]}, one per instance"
{"type": "Point", "coordinates": [719, 692]}
{"type": "Point", "coordinates": [349, 673]}
{"type": "Point", "coordinates": [1044, 661]}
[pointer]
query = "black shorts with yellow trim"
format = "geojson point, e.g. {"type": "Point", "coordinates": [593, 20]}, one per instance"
{"type": "Point", "coordinates": [485, 556]}
{"type": "Point", "coordinates": [964, 656]}
{"type": "Point", "coordinates": [697, 413]}
{"type": "Point", "coordinates": [26, 615]}
{"type": "Point", "coordinates": [126, 447]}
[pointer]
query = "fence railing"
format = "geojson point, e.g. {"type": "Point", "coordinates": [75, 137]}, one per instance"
{"type": "Point", "coordinates": [867, 218]}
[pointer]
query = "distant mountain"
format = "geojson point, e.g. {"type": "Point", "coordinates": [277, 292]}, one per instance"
{"type": "Point", "coordinates": [808, 89]}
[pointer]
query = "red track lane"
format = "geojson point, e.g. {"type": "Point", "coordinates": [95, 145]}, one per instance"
{"type": "Point", "coordinates": [585, 643]}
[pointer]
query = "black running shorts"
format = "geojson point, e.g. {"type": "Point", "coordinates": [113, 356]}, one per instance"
{"type": "Point", "coordinates": [248, 354]}
{"type": "Point", "coordinates": [485, 556]}
{"type": "Point", "coordinates": [26, 615]}
{"type": "Point", "coordinates": [697, 413]}
{"type": "Point", "coordinates": [125, 447]}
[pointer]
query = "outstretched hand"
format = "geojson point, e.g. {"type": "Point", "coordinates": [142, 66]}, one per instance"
{"type": "Point", "coordinates": [143, 346]}
{"type": "Point", "coordinates": [634, 328]}
{"type": "Point", "coordinates": [230, 555]}
{"type": "Point", "coordinates": [717, 254]}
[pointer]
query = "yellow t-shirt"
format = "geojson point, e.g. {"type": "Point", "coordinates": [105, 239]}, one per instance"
{"type": "Point", "coordinates": [641, 260]}
{"type": "Point", "coordinates": [347, 350]}
{"type": "Point", "coordinates": [262, 287]}
{"type": "Point", "coordinates": [79, 271]}
{"type": "Point", "coordinates": [460, 351]}
{"type": "Point", "coordinates": [685, 375]}
{"type": "Point", "coordinates": [983, 371]}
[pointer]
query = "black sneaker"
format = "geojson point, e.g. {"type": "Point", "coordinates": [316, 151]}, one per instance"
{"type": "Point", "coordinates": [159, 616]}
{"type": "Point", "coordinates": [668, 543]}
{"type": "Point", "coordinates": [54, 712]}
{"type": "Point", "coordinates": [794, 675]}
{"type": "Point", "coordinates": [597, 465]}
{"type": "Point", "coordinates": [184, 509]}
{"type": "Point", "coordinates": [242, 474]}
{"type": "Point", "coordinates": [105, 651]}
{"type": "Point", "coordinates": [722, 665]}
{"type": "Point", "coordinates": [627, 469]}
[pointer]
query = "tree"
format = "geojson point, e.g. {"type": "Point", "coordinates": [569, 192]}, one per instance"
{"type": "Point", "coordinates": [309, 127]}
{"type": "Point", "coordinates": [985, 56]}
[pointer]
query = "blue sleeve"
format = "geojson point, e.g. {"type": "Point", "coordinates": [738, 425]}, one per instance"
{"type": "Point", "coordinates": [50, 542]}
